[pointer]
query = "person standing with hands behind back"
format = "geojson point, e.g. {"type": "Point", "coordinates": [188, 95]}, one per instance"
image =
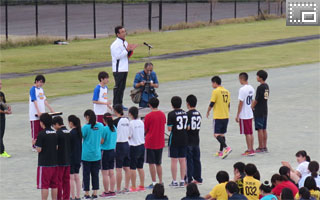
{"type": "Point", "coordinates": [120, 53]}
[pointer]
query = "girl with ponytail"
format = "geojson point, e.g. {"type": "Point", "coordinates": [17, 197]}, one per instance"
{"type": "Point", "coordinates": [313, 169]}
{"type": "Point", "coordinates": [75, 160]}
{"type": "Point", "coordinates": [91, 153]}
{"type": "Point", "coordinates": [302, 170]}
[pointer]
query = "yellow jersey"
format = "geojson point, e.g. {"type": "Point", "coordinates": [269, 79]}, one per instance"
{"type": "Point", "coordinates": [219, 192]}
{"type": "Point", "coordinates": [251, 188]}
{"type": "Point", "coordinates": [221, 98]}
{"type": "Point", "coordinates": [315, 194]}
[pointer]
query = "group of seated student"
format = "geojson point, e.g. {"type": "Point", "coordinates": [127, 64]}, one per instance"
{"type": "Point", "coordinates": [121, 143]}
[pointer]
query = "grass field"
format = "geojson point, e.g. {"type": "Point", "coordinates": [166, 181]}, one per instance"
{"type": "Point", "coordinates": [28, 59]}
{"type": "Point", "coordinates": [78, 82]}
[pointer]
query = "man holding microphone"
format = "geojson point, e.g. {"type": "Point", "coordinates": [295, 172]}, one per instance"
{"type": "Point", "coordinates": [120, 53]}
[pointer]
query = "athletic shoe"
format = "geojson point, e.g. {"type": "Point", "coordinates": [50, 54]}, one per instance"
{"type": "Point", "coordinates": [150, 186]}
{"type": "Point", "coordinates": [107, 194]}
{"type": "Point", "coordinates": [248, 153]}
{"type": "Point", "coordinates": [133, 189]}
{"type": "Point", "coordinates": [94, 197]}
{"type": "Point", "coordinates": [86, 197]}
{"type": "Point", "coordinates": [174, 184]}
{"type": "Point", "coordinates": [182, 184]}
{"type": "Point", "coordinates": [124, 108]}
{"type": "Point", "coordinates": [141, 188]}
{"type": "Point", "coordinates": [5, 155]}
{"type": "Point", "coordinates": [77, 199]}
{"type": "Point", "coordinates": [259, 150]}
{"type": "Point", "coordinates": [265, 150]}
{"type": "Point", "coordinates": [218, 154]}
{"type": "Point", "coordinates": [226, 152]}
{"type": "Point", "coordinates": [125, 190]}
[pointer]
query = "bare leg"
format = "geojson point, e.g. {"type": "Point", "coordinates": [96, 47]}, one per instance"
{"type": "Point", "coordinates": [119, 178]}
{"type": "Point", "coordinates": [105, 177]}
{"type": "Point", "coordinates": [127, 176]}
{"type": "Point", "coordinates": [182, 162]}
{"type": "Point", "coordinates": [133, 176]}
{"type": "Point", "coordinates": [152, 168]}
{"type": "Point", "coordinates": [54, 193]}
{"type": "Point", "coordinates": [44, 194]}
{"type": "Point", "coordinates": [72, 184]}
{"type": "Point", "coordinates": [265, 137]}
{"type": "Point", "coordinates": [112, 180]}
{"type": "Point", "coordinates": [159, 172]}
{"type": "Point", "coordinates": [174, 162]}
{"type": "Point", "coordinates": [249, 140]}
{"type": "Point", "coordinates": [78, 185]}
{"type": "Point", "coordinates": [260, 138]}
{"type": "Point", "coordinates": [141, 176]}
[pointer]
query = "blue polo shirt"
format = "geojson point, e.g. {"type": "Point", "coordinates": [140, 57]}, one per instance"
{"type": "Point", "coordinates": [110, 138]}
{"type": "Point", "coordinates": [91, 142]}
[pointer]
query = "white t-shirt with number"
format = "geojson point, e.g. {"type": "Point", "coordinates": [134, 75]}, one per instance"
{"type": "Point", "coordinates": [100, 94]}
{"type": "Point", "coordinates": [246, 94]}
{"type": "Point", "coordinates": [36, 94]}
{"type": "Point", "coordinates": [136, 132]}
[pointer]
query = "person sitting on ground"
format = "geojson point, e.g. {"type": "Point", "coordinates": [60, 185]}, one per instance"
{"type": "Point", "coordinates": [310, 183]}
{"type": "Point", "coordinates": [304, 194]}
{"type": "Point", "coordinates": [157, 193]}
{"type": "Point", "coordinates": [265, 191]}
{"type": "Point", "coordinates": [233, 191]}
{"type": "Point", "coordinates": [238, 171]}
{"type": "Point", "coordinates": [313, 169]}
{"type": "Point", "coordinates": [219, 191]}
{"type": "Point", "coordinates": [285, 171]}
{"type": "Point", "coordinates": [281, 182]}
{"type": "Point", "coordinates": [251, 185]}
{"type": "Point", "coordinates": [302, 170]}
{"type": "Point", "coordinates": [192, 192]}
{"type": "Point", "coordinates": [286, 194]}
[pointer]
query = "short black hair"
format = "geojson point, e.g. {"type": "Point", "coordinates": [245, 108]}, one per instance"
{"type": "Point", "coordinates": [304, 193]}
{"type": "Point", "coordinates": [134, 112]}
{"type": "Point", "coordinates": [287, 193]}
{"type": "Point", "coordinates": [176, 102]}
{"type": "Point", "coordinates": [310, 183]}
{"type": "Point", "coordinates": [46, 119]}
{"type": "Point", "coordinates": [118, 108]}
{"type": "Point", "coordinates": [192, 100]}
{"type": "Point", "coordinates": [284, 171]}
{"type": "Point", "coordinates": [117, 29]}
{"type": "Point", "coordinates": [239, 166]}
{"type": "Point", "coordinates": [250, 169]}
{"type": "Point", "coordinates": [192, 190]}
{"type": "Point", "coordinates": [222, 176]}
{"type": "Point", "coordinates": [232, 187]}
{"type": "Point", "coordinates": [57, 120]}
{"type": "Point", "coordinates": [102, 75]}
{"type": "Point", "coordinates": [216, 79]}
{"type": "Point", "coordinates": [40, 77]}
{"type": "Point", "coordinates": [148, 64]}
{"type": "Point", "coordinates": [262, 74]}
{"type": "Point", "coordinates": [154, 102]}
{"type": "Point", "coordinates": [244, 76]}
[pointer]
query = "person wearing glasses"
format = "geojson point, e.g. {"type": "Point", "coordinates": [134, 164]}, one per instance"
{"type": "Point", "coordinates": [147, 81]}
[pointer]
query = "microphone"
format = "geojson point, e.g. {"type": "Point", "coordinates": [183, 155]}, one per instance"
{"type": "Point", "coordinates": [148, 45]}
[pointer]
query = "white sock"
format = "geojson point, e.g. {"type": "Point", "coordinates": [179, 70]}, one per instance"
{"type": "Point", "coordinates": [154, 183]}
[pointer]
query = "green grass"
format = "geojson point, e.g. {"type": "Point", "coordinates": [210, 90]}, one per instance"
{"type": "Point", "coordinates": [79, 82]}
{"type": "Point", "coordinates": [28, 59]}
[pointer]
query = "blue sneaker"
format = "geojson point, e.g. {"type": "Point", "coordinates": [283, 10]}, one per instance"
{"type": "Point", "coordinates": [124, 108]}
{"type": "Point", "coordinates": [150, 186]}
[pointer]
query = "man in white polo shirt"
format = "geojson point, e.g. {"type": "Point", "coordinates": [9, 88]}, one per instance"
{"type": "Point", "coordinates": [120, 53]}
{"type": "Point", "coordinates": [245, 113]}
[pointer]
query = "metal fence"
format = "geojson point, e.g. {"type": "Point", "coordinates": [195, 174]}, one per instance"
{"type": "Point", "coordinates": [99, 17]}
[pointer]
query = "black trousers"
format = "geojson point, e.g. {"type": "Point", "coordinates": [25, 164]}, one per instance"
{"type": "Point", "coordinates": [120, 79]}
{"type": "Point", "coordinates": [2, 128]}
{"type": "Point", "coordinates": [91, 168]}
